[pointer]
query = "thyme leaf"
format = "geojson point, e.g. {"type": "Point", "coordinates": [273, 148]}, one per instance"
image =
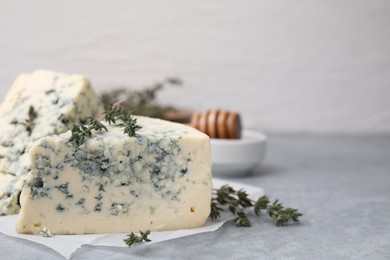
{"type": "Point", "coordinates": [135, 239]}
{"type": "Point", "coordinates": [260, 204]}
{"type": "Point", "coordinates": [29, 122]}
{"type": "Point", "coordinates": [215, 212]}
{"type": "Point", "coordinates": [242, 220]}
{"type": "Point", "coordinates": [82, 132]}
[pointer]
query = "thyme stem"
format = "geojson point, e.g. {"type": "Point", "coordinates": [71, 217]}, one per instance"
{"type": "Point", "coordinates": [237, 201]}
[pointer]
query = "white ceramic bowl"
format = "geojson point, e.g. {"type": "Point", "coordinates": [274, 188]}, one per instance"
{"type": "Point", "coordinates": [239, 156]}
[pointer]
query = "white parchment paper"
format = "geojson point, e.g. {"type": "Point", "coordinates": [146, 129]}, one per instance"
{"type": "Point", "coordinates": [67, 244]}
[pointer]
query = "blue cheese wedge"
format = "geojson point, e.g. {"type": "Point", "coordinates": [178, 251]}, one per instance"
{"type": "Point", "coordinates": [38, 104]}
{"type": "Point", "coordinates": [158, 180]}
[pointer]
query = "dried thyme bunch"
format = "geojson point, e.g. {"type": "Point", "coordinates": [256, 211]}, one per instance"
{"type": "Point", "coordinates": [141, 102]}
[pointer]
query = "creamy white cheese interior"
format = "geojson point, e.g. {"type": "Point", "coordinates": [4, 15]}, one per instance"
{"type": "Point", "coordinates": [158, 180]}
{"type": "Point", "coordinates": [59, 101]}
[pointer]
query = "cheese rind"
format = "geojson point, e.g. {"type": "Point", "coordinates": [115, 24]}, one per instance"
{"type": "Point", "coordinates": [59, 100]}
{"type": "Point", "coordinates": [158, 180]}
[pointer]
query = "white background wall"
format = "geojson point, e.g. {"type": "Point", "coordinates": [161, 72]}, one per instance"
{"type": "Point", "coordinates": [286, 65]}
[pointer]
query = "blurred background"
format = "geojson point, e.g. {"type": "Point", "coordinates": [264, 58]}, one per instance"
{"type": "Point", "coordinates": [287, 66]}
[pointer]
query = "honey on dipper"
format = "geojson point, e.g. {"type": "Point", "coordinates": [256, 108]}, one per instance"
{"type": "Point", "coordinates": [217, 123]}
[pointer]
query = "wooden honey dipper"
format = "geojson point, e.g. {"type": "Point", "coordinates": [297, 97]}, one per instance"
{"type": "Point", "coordinates": [217, 123]}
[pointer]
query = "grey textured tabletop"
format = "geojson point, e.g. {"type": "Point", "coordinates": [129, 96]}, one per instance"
{"type": "Point", "coordinates": [340, 183]}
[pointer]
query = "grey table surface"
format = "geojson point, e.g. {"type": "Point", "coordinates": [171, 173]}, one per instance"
{"type": "Point", "coordinates": [340, 183]}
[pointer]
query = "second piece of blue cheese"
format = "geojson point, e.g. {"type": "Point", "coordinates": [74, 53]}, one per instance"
{"type": "Point", "coordinates": [38, 104]}
{"type": "Point", "coordinates": [158, 180]}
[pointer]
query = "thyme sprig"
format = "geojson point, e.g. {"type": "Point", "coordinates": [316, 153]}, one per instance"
{"type": "Point", "coordinates": [82, 132]}
{"type": "Point", "coordinates": [114, 115]}
{"type": "Point", "coordinates": [238, 201]}
{"type": "Point", "coordinates": [135, 239]}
